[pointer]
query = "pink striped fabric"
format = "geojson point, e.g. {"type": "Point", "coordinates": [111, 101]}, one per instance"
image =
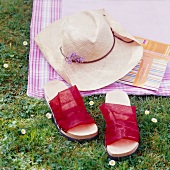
{"type": "Point", "coordinates": [40, 72]}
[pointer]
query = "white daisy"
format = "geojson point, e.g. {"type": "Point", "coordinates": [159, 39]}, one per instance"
{"type": "Point", "coordinates": [5, 65]}
{"type": "Point", "coordinates": [25, 43]}
{"type": "Point", "coordinates": [49, 115]}
{"type": "Point", "coordinates": [112, 162]}
{"type": "Point", "coordinates": [91, 103]}
{"type": "Point", "coordinates": [147, 112]}
{"type": "Point", "coordinates": [154, 120]}
{"type": "Point", "coordinates": [23, 131]}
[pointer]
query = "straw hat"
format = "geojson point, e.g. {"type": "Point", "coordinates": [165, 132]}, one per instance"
{"type": "Point", "coordinates": [89, 49]}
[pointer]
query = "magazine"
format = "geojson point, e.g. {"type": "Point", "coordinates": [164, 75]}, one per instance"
{"type": "Point", "coordinates": [150, 70]}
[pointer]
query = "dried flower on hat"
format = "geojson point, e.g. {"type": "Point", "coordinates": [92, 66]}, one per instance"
{"type": "Point", "coordinates": [74, 58]}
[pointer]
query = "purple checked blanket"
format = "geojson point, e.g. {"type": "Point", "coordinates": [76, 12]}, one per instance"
{"type": "Point", "coordinates": [40, 72]}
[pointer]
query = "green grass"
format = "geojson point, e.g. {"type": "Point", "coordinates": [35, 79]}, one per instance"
{"type": "Point", "coordinates": [42, 146]}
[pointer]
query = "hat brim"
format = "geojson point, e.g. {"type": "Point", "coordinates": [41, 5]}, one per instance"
{"type": "Point", "coordinates": [90, 76]}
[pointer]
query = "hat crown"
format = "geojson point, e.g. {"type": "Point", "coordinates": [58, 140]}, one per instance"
{"type": "Point", "coordinates": [87, 34]}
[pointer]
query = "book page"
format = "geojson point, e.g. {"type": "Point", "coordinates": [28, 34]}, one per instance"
{"type": "Point", "coordinates": [150, 70]}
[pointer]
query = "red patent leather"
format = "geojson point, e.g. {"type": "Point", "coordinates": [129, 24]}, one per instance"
{"type": "Point", "coordinates": [69, 109]}
{"type": "Point", "coordinates": [121, 122]}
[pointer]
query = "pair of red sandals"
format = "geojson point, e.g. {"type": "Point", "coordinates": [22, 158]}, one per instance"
{"type": "Point", "coordinates": [75, 123]}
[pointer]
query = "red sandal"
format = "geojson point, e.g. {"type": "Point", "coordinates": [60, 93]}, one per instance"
{"type": "Point", "coordinates": [122, 133]}
{"type": "Point", "coordinates": [69, 112]}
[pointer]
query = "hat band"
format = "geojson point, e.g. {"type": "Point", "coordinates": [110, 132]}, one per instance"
{"type": "Point", "coordinates": [78, 59]}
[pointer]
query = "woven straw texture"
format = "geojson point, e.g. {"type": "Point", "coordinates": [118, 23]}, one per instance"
{"type": "Point", "coordinates": [89, 35]}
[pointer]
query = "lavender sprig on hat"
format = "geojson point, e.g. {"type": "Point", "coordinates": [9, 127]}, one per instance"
{"type": "Point", "coordinates": [73, 57]}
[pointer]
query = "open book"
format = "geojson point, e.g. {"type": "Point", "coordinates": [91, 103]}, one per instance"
{"type": "Point", "coordinates": [150, 70]}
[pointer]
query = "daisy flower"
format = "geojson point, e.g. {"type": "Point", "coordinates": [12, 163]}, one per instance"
{"type": "Point", "coordinates": [25, 43]}
{"type": "Point", "coordinates": [5, 65]}
{"type": "Point", "coordinates": [49, 115]}
{"type": "Point", "coordinates": [147, 112]}
{"type": "Point", "coordinates": [112, 162]}
{"type": "Point", "coordinates": [23, 131]}
{"type": "Point", "coordinates": [154, 120]}
{"type": "Point", "coordinates": [91, 103]}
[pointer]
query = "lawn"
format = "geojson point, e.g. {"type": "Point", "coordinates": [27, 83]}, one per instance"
{"type": "Point", "coordinates": [41, 146]}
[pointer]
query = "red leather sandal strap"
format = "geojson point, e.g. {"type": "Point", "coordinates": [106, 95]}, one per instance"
{"type": "Point", "coordinates": [69, 109]}
{"type": "Point", "coordinates": [121, 122]}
